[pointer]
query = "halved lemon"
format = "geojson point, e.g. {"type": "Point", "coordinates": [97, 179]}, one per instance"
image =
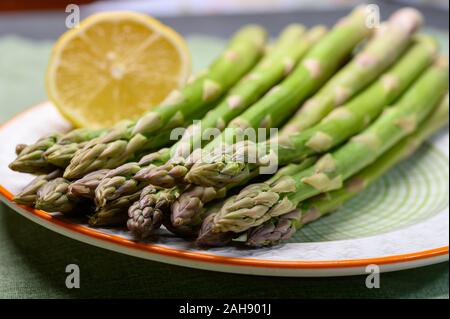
{"type": "Point", "coordinates": [115, 66]}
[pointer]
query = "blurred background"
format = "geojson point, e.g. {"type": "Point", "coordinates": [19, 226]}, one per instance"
{"type": "Point", "coordinates": [29, 28]}
{"type": "Point", "coordinates": [44, 19]}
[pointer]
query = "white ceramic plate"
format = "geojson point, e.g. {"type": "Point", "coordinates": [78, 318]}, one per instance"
{"type": "Point", "coordinates": [400, 222]}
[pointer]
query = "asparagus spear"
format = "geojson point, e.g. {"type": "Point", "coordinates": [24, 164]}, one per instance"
{"type": "Point", "coordinates": [283, 57]}
{"type": "Point", "coordinates": [31, 159]}
{"type": "Point", "coordinates": [388, 43]}
{"type": "Point", "coordinates": [274, 108]}
{"type": "Point", "coordinates": [75, 194]}
{"type": "Point", "coordinates": [19, 148]}
{"type": "Point", "coordinates": [187, 211]}
{"type": "Point", "coordinates": [206, 235]}
{"type": "Point", "coordinates": [334, 129]}
{"type": "Point", "coordinates": [51, 151]}
{"type": "Point", "coordinates": [110, 184]}
{"type": "Point", "coordinates": [186, 205]}
{"type": "Point", "coordinates": [53, 197]}
{"type": "Point", "coordinates": [283, 227]}
{"type": "Point", "coordinates": [85, 186]}
{"type": "Point", "coordinates": [28, 196]}
{"type": "Point", "coordinates": [291, 45]}
{"type": "Point", "coordinates": [257, 203]}
{"type": "Point", "coordinates": [120, 145]}
{"type": "Point", "coordinates": [147, 214]}
{"type": "Point", "coordinates": [114, 212]}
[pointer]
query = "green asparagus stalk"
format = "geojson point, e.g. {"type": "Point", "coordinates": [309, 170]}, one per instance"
{"type": "Point", "coordinates": [334, 129]}
{"type": "Point", "coordinates": [119, 181]}
{"type": "Point", "coordinates": [19, 148]}
{"type": "Point", "coordinates": [31, 159]}
{"type": "Point", "coordinates": [121, 145]}
{"type": "Point", "coordinates": [147, 214]}
{"type": "Point", "coordinates": [107, 217]}
{"type": "Point", "coordinates": [279, 62]}
{"type": "Point", "coordinates": [52, 151]}
{"type": "Point", "coordinates": [276, 106]}
{"type": "Point", "coordinates": [312, 73]}
{"type": "Point", "coordinates": [276, 65]}
{"type": "Point", "coordinates": [85, 187]}
{"type": "Point", "coordinates": [76, 193]}
{"type": "Point", "coordinates": [187, 212]}
{"type": "Point", "coordinates": [258, 203]}
{"type": "Point", "coordinates": [388, 43]}
{"type": "Point", "coordinates": [273, 108]}
{"type": "Point", "coordinates": [63, 151]}
{"type": "Point", "coordinates": [53, 197]}
{"type": "Point", "coordinates": [28, 195]}
{"type": "Point", "coordinates": [283, 227]}
{"type": "Point", "coordinates": [114, 213]}
{"type": "Point", "coordinates": [186, 205]}
{"type": "Point", "coordinates": [285, 54]}
{"type": "Point", "coordinates": [206, 235]}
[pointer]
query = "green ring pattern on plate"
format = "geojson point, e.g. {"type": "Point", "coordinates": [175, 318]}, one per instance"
{"type": "Point", "coordinates": [413, 191]}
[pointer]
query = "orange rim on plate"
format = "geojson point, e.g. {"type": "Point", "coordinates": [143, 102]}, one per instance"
{"type": "Point", "coordinates": [204, 257]}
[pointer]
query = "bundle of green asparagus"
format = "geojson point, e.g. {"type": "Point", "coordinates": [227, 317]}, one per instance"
{"type": "Point", "coordinates": [277, 63]}
{"type": "Point", "coordinates": [364, 106]}
{"type": "Point", "coordinates": [129, 138]}
{"type": "Point", "coordinates": [258, 203]}
{"type": "Point", "coordinates": [283, 227]}
{"type": "Point", "coordinates": [49, 152]}
{"type": "Point", "coordinates": [271, 110]}
{"type": "Point", "coordinates": [329, 92]}
{"type": "Point", "coordinates": [123, 144]}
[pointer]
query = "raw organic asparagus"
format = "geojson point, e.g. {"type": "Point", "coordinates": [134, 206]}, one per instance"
{"type": "Point", "coordinates": [282, 57]}
{"type": "Point", "coordinates": [85, 187]}
{"type": "Point", "coordinates": [119, 182]}
{"type": "Point", "coordinates": [107, 218]}
{"type": "Point", "coordinates": [279, 62]}
{"type": "Point", "coordinates": [259, 202]}
{"type": "Point", "coordinates": [206, 234]}
{"type": "Point", "coordinates": [28, 195]}
{"type": "Point", "coordinates": [276, 106]}
{"type": "Point", "coordinates": [147, 214]}
{"type": "Point", "coordinates": [312, 72]}
{"type": "Point", "coordinates": [19, 148]}
{"type": "Point", "coordinates": [187, 211]}
{"type": "Point", "coordinates": [53, 197]}
{"type": "Point", "coordinates": [121, 145]}
{"type": "Point", "coordinates": [63, 151]}
{"type": "Point", "coordinates": [113, 213]}
{"type": "Point", "coordinates": [114, 183]}
{"type": "Point", "coordinates": [31, 157]}
{"type": "Point", "coordinates": [51, 151]}
{"type": "Point", "coordinates": [334, 129]}
{"type": "Point", "coordinates": [283, 227]}
{"type": "Point", "coordinates": [186, 205]}
{"type": "Point", "coordinates": [387, 44]}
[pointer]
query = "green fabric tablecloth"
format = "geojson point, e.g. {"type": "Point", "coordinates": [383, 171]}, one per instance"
{"type": "Point", "coordinates": [33, 259]}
